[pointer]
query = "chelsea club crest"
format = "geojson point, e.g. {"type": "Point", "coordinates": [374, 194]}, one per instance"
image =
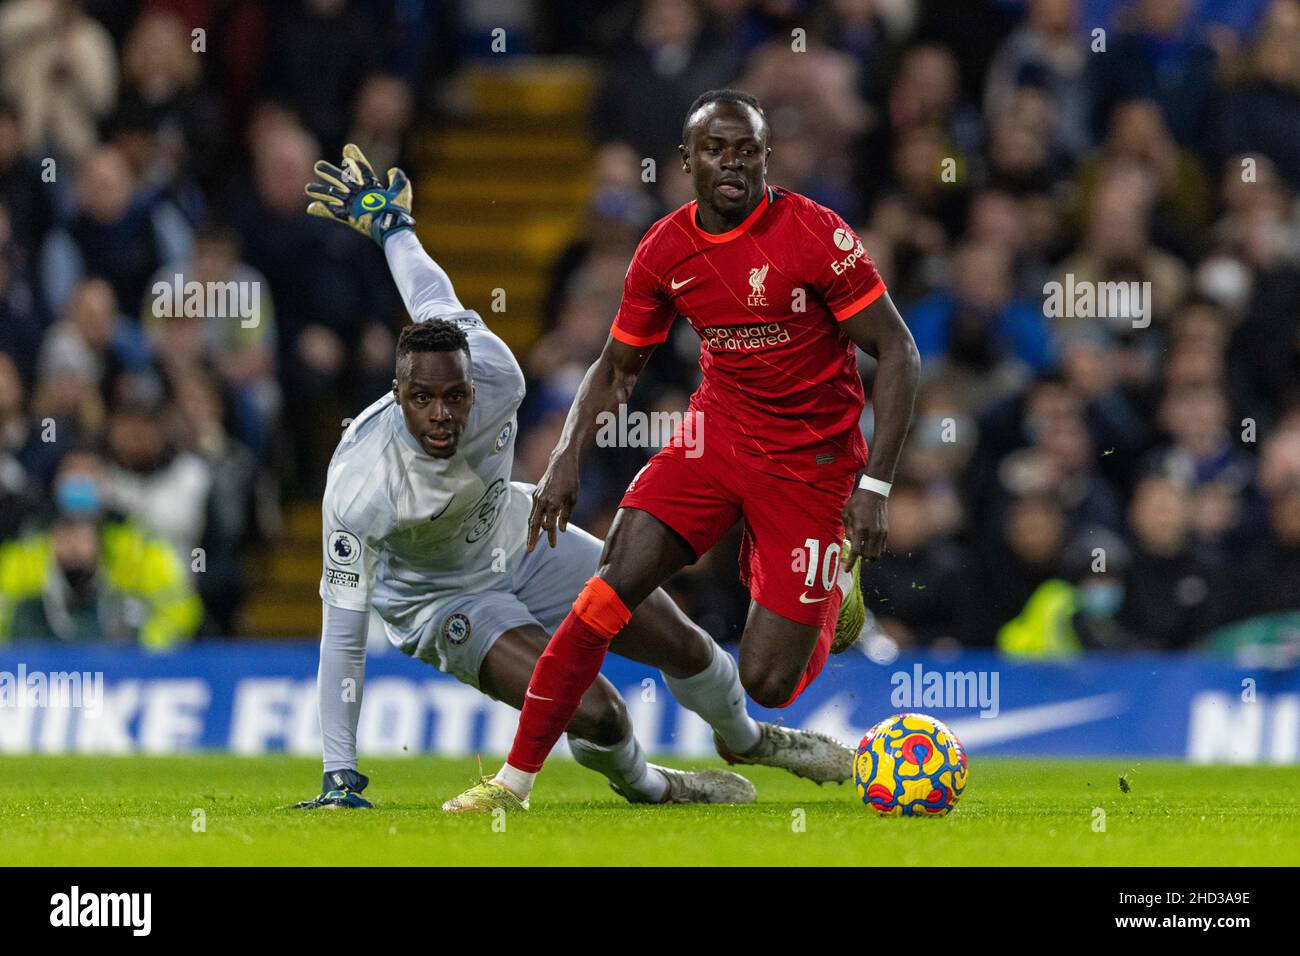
{"type": "Point", "coordinates": [504, 435]}
{"type": "Point", "coordinates": [456, 628]}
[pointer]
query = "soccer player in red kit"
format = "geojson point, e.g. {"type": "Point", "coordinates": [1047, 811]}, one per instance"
{"type": "Point", "coordinates": [781, 293]}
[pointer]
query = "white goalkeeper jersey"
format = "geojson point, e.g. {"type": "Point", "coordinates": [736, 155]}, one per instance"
{"type": "Point", "coordinates": [401, 528]}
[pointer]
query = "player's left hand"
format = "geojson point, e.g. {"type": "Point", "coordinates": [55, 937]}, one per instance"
{"type": "Point", "coordinates": [355, 195]}
{"type": "Point", "coordinates": [866, 526]}
{"type": "Point", "coordinates": [553, 500]}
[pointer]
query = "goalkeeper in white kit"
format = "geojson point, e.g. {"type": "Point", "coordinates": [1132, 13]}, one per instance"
{"type": "Point", "coordinates": [423, 523]}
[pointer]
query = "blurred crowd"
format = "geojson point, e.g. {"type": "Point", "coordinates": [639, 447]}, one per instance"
{"type": "Point", "coordinates": [1070, 482]}
{"type": "Point", "coordinates": [1119, 482]}
{"type": "Point", "coordinates": [148, 148]}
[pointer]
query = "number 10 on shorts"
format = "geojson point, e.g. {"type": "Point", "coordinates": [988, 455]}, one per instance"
{"type": "Point", "coordinates": [829, 562]}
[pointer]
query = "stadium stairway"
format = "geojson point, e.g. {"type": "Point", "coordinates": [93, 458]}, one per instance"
{"type": "Point", "coordinates": [503, 188]}
{"type": "Point", "coordinates": [285, 579]}
{"type": "Point", "coordinates": [500, 190]}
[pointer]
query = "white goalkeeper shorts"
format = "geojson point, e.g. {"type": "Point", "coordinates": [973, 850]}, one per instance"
{"type": "Point", "coordinates": [540, 591]}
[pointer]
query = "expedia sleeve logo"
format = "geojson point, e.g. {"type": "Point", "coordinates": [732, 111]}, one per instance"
{"type": "Point", "coordinates": [343, 548]}
{"type": "Point", "coordinates": [846, 241]}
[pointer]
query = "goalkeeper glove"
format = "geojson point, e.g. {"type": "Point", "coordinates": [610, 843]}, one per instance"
{"type": "Point", "coordinates": [355, 195]}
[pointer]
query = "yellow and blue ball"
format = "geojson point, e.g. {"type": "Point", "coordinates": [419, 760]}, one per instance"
{"type": "Point", "coordinates": [910, 765]}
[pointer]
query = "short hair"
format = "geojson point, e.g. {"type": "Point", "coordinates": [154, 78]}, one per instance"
{"type": "Point", "coordinates": [723, 96]}
{"type": "Point", "coordinates": [432, 335]}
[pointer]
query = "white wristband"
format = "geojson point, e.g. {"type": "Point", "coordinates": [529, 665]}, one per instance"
{"type": "Point", "coordinates": [875, 484]}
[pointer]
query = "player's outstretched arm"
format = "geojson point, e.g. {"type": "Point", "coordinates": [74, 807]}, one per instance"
{"type": "Point", "coordinates": [353, 195]}
{"type": "Point", "coordinates": [607, 384]}
{"type": "Point", "coordinates": [880, 332]}
{"type": "Point", "coordinates": [339, 683]}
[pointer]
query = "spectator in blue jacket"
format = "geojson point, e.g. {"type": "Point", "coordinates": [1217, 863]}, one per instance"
{"type": "Point", "coordinates": [979, 322]}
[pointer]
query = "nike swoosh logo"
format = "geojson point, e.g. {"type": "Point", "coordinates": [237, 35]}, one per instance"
{"type": "Point", "coordinates": [1036, 719]}
{"type": "Point", "coordinates": [1009, 725]}
{"type": "Point", "coordinates": [677, 285]}
{"type": "Point", "coordinates": [805, 599]}
{"type": "Point", "coordinates": [530, 694]}
{"type": "Point", "coordinates": [442, 512]}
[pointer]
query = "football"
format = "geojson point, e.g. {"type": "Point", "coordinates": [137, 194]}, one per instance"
{"type": "Point", "coordinates": [910, 765]}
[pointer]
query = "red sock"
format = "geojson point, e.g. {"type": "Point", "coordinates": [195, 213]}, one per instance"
{"type": "Point", "coordinates": [567, 667]}
{"type": "Point", "coordinates": [821, 650]}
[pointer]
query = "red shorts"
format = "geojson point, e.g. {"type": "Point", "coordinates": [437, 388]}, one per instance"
{"type": "Point", "coordinates": [789, 555]}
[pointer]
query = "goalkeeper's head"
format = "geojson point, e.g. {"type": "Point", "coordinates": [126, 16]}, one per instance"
{"type": "Point", "coordinates": [433, 384]}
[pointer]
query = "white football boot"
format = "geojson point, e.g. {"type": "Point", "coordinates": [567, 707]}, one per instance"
{"type": "Point", "coordinates": [701, 786]}
{"type": "Point", "coordinates": [805, 753]}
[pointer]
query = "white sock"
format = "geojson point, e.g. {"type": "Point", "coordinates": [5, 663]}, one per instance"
{"type": "Point", "coordinates": [716, 695]}
{"type": "Point", "coordinates": [624, 765]}
{"type": "Point", "coordinates": [844, 581]}
{"type": "Point", "coordinates": [518, 782]}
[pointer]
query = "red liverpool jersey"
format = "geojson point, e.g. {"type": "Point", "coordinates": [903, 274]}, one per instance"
{"type": "Point", "coordinates": [781, 383]}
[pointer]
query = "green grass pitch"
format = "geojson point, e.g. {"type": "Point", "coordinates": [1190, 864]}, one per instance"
{"type": "Point", "coordinates": [81, 810]}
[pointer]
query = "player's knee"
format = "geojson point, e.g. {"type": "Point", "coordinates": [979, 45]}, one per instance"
{"type": "Point", "coordinates": [696, 649]}
{"type": "Point", "coordinates": [601, 718]}
{"type": "Point", "coordinates": [768, 688]}
{"type": "Point", "coordinates": [631, 586]}
{"type": "Point", "coordinates": [690, 649]}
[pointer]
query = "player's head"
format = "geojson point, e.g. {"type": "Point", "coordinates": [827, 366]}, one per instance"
{"type": "Point", "coordinates": [724, 149]}
{"type": "Point", "coordinates": [433, 384]}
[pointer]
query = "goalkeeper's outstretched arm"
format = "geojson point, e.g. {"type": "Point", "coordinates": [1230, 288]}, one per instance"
{"type": "Point", "coordinates": [339, 684]}
{"type": "Point", "coordinates": [352, 194]}
{"type": "Point", "coordinates": [425, 286]}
